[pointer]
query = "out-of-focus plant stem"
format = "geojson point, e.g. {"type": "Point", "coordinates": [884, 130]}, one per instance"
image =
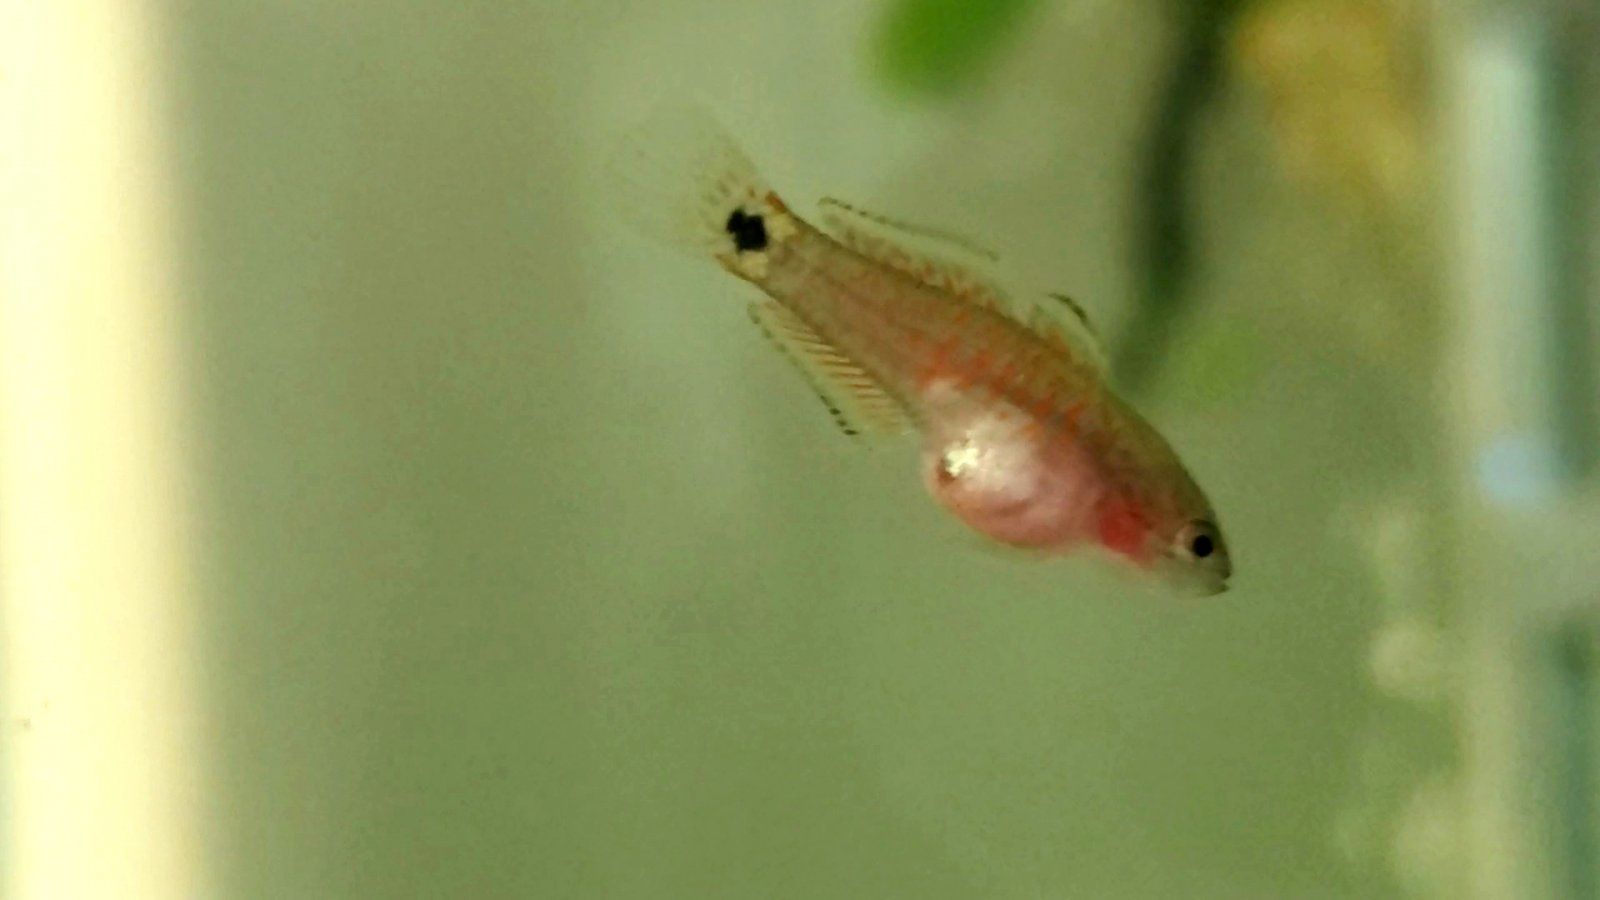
{"type": "Point", "coordinates": [1163, 241]}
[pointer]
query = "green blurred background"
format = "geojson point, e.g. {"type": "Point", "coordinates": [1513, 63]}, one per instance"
{"type": "Point", "coordinates": [524, 568]}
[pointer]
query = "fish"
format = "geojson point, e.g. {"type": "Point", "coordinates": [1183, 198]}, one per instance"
{"type": "Point", "coordinates": [907, 329]}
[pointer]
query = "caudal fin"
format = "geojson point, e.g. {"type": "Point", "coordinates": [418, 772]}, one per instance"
{"type": "Point", "coordinates": [677, 177]}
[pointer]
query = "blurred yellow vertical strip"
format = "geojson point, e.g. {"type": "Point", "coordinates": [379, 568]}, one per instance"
{"type": "Point", "coordinates": [96, 642]}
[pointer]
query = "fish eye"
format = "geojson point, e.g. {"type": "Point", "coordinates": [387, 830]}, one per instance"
{"type": "Point", "coordinates": [1199, 540]}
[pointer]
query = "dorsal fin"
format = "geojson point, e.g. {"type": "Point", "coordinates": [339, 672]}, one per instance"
{"type": "Point", "coordinates": [857, 403]}
{"type": "Point", "coordinates": [966, 269]}
{"type": "Point", "coordinates": [1059, 319]}
{"type": "Point", "coordinates": [836, 211]}
{"type": "Point", "coordinates": [941, 259]}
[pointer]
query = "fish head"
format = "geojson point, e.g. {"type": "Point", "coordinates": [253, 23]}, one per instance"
{"type": "Point", "coordinates": [1193, 558]}
{"type": "Point", "coordinates": [1182, 547]}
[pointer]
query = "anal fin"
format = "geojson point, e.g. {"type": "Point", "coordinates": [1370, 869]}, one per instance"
{"type": "Point", "coordinates": [857, 403]}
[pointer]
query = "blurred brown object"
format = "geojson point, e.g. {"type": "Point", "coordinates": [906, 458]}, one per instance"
{"type": "Point", "coordinates": [1343, 90]}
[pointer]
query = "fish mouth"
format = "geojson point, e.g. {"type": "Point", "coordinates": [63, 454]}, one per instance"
{"type": "Point", "coordinates": [1189, 580]}
{"type": "Point", "coordinates": [1202, 582]}
{"type": "Point", "coordinates": [1207, 585]}
{"type": "Point", "coordinates": [1216, 581]}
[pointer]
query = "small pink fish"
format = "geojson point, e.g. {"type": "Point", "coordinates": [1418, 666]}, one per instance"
{"type": "Point", "coordinates": [1021, 438]}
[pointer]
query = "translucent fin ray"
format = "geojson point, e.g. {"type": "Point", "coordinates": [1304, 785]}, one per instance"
{"type": "Point", "coordinates": [676, 176]}
{"type": "Point", "coordinates": [838, 213]}
{"type": "Point", "coordinates": [965, 269]}
{"type": "Point", "coordinates": [857, 403]}
{"type": "Point", "coordinates": [886, 243]}
{"type": "Point", "coordinates": [1059, 320]}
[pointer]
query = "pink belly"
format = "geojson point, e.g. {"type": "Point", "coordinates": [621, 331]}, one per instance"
{"type": "Point", "coordinates": [1008, 478]}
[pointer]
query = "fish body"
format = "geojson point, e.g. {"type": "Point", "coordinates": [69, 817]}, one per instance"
{"type": "Point", "coordinates": [1022, 439]}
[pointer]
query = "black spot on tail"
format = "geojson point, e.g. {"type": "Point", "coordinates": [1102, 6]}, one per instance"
{"type": "Point", "coordinates": [749, 231]}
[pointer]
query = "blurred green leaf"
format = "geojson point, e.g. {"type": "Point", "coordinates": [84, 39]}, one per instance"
{"type": "Point", "coordinates": [941, 46]}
